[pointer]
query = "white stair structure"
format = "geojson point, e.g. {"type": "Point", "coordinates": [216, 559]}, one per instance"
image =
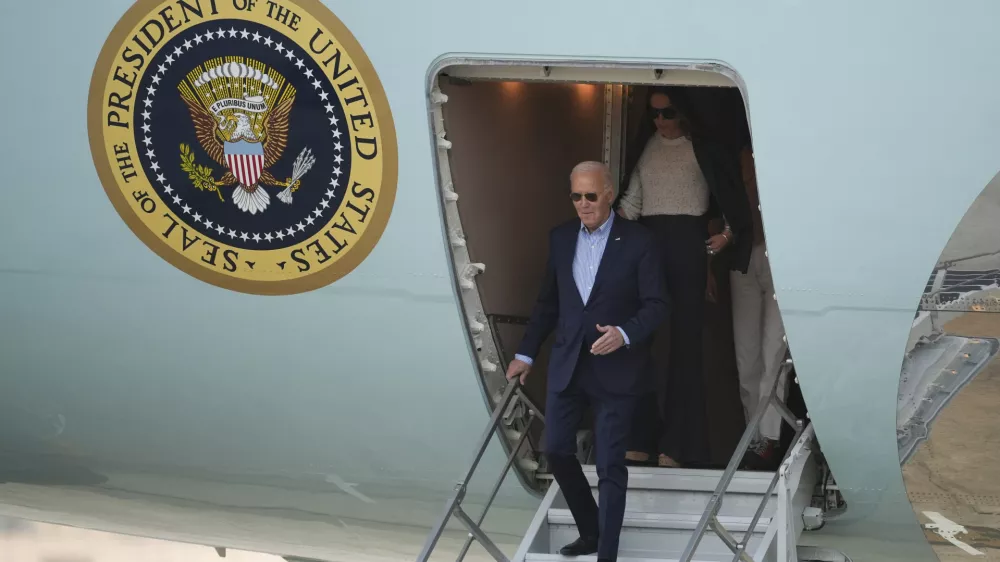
{"type": "Point", "coordinates": [664, 508]}
{"type": "Point", "coordinates": [671, 515]}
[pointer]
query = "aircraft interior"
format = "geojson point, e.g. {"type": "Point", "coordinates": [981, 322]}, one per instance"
{"type": "Point", "coordinates": [511, 146]}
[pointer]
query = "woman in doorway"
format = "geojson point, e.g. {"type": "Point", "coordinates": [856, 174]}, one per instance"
{"type": "Point", "coordinates": [671, 190]}
{"type": "Point", "coordinates": [758, 333]}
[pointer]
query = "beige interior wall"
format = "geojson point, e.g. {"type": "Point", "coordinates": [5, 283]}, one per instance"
{"type": "Point", "coordinates": [513, 146]}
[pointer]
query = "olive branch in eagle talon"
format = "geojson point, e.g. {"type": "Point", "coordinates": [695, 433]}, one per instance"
{"type": "Point", "coordinates": [200, 175]}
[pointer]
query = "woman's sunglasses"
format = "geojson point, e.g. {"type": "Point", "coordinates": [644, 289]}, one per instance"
{"type": "Point", "coordinates": [667, 113]}
{"type": "Point", "coordinates": [592, 197]}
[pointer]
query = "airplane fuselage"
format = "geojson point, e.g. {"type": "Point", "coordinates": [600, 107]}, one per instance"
{"type": "Point", "coordinates": [321, 402]}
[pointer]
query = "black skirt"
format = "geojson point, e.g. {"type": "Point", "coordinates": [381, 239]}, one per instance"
{"type": "Point", "coordinates": [672, 420]}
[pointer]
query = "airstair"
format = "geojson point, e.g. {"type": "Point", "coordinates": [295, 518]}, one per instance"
{"type": "Point", "coordinates": [672, 515]}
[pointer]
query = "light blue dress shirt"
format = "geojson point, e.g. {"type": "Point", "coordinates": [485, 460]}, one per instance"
{"type": "Point", "coordinates": [589, 251]}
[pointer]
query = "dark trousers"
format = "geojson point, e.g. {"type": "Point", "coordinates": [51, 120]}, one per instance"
{"type": "Point", "coordinates": [612, 421]}
{"type": "Point", "coordinates": [672, 418]}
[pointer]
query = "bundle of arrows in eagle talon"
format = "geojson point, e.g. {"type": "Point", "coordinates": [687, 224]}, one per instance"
{"type": "Point", "coordinates": [302, 164]}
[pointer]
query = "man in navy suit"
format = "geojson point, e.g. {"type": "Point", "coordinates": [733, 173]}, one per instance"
{"type": "Point", "coordinates": [604, 294]}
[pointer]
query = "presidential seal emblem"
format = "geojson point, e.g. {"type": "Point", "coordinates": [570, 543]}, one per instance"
{"type": "Point", "coordinates": [247, 142]}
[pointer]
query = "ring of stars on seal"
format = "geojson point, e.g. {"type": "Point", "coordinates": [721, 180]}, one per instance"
{"type": "Point", "coordinates": [251, 148]}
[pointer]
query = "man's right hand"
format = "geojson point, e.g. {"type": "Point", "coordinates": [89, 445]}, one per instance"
{"type": "Point", "coordinates": [518, 368]}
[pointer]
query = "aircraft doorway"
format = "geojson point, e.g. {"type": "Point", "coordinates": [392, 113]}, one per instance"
{"type": "Point", "coordinates": [507, 149]}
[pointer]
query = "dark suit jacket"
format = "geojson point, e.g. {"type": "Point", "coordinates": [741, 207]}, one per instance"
{"type": "Point", "coordinates": [721, 168]}
{"type": "Point", "coordinates": [629, 292]}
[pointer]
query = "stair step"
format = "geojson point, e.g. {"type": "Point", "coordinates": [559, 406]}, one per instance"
{"type": "Point", "coordinates": [688, 479]}
{"type": "Point", "coordinates": [691, 503]}
{"type": "Point", "coordinates": [674, 521]}
{"type": "Point", "coordinates": [642, 542]}
{"type": "Point", "coordinates": [593, 558]}
{"type": "Point", "coordinates": [656, 490]}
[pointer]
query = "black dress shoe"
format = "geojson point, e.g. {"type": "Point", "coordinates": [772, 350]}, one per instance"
{"type": "Point", "coordinates": [580, 547]}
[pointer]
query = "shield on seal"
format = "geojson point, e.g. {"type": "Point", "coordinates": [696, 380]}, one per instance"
{"type": "Point", "coordinates": [246, 160]}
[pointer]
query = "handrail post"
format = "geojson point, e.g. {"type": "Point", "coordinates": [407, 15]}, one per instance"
{"type": "Point", "coordinates": [497, 484]}
{"type": "Point", "coordinates": [715, 503]}
{"type": "Point", "coordinates": [786, 549]}
{"type": "Point", "coordinates": [783, 517]}
{"type": "Point", "coordinates": [461, 486]}
{"type": "Point", "coordinates": [489, 545]}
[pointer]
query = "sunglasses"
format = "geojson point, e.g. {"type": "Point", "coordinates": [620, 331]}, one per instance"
{"type": "Point", "coordinates": [592, 197]}
{"type": "Point", "coordinates": [667, 113]}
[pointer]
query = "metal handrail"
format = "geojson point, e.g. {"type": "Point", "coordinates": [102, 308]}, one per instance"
{"type": "Point", "coordinates": [780, 477]}
{"type": "Point", "coordinates": [513, 393]}
{"type": "Point", "coordinates": [786, 550]}
{"type": "Point", "coordinates": [709, 518]}
{"type": "Point", "coordinates": [522, 472]}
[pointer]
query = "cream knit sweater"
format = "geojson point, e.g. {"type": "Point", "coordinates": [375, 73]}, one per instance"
{"type": "Point", "coordinates": [667, 181]}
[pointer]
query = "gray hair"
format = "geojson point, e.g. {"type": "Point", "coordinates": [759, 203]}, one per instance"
{"type": "Point", "coordinates": [591, 166]}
